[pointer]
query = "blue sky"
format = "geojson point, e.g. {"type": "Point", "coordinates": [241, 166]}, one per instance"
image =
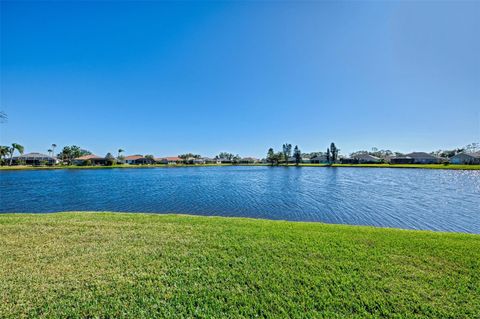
{"type": "Point", "coordinates": [166, 78]}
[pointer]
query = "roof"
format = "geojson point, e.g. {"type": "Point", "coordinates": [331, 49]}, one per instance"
{"type": "Point", "coordinates": [476, 154]}
{"type": "Point", "coordinates": [319, 157]}
{"type": "Point", "coordinates": [34, 155]}
{"type": "Point", "coordinates": [133, 157]}
{"type": "Point", "coordinates": [366, 157]}
{"type": "Point", "coordinates": [89, 157]}
{"type": "Point", "coordinates": [421, 155]}
{"type": "Point", "coordinates": [172, 158]}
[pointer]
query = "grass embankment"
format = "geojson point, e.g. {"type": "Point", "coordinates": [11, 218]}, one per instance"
{"type": "Point", "coordinates": [80, 265]}
{"type": "Point", "coordinates": [426, 166]}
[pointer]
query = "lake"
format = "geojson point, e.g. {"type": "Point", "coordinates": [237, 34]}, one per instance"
{"type": "Point", "coordinates": [443, 200]}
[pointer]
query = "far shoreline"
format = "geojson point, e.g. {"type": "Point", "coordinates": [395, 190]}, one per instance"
{"type": "Point", "coordinates": [128, 166]}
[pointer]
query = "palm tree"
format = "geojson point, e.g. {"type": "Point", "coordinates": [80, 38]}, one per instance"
{"type": "Point", "coordinates": [50, 152]}
{"type": "Point", "coordinates": [119, 152]}
{"type": "Point", "coordinates": [53, 149]}
{"type": "Point", "coordinates": [12, 149]}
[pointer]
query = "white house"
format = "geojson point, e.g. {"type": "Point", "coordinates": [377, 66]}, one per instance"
{"type": "Point", "coordinates": [35, 159]}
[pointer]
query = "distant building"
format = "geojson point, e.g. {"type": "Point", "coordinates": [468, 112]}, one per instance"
{"type": "Point", "coordinates": [423, 158]}
{"type": "Point", "coordinates": [319, 159]}
{"type": "Point", "coordinates": [92, 158]}
{"type": "Point", "coordinates": [34, 159]}
{"type": "Point", "coordinates": [466, 158]}
{"type": "Point", "coordinates": [366, 159]}
{"type": "Point", "coordinates": [347, 160]}
{"type": "Point", "coordinates": [173, 160]}
{"type": "Point", "coordinates": [400, 160]}
{"type": "Point", "coordinates": [248, 160]}
{"type": "Point", "coordinates": [305, 160]}
{"type": "Point", "coordinates": [199, 161]}
{"type": "Point", "coordinates": [209, 160]}
{"type": "Point", "coordinates": [224, 161]}
{"type": "Point", "coordinates": [137, 160]}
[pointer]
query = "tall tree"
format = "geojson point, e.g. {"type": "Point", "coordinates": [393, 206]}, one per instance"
{"type": "Point", "coordinates": [109, 159]}
{"type": "Point", "coordinates": [49, 152]}
{"type": "Point", "coordinates": [297, 154]}
{"type": "Point", "coordinates": [271, 156]}
{"type": "Point", "coordinates": [287, 151]}
{"type": "Point", "coordinates": [15, 147]}
{"type": "Point", "coordinates": [334, 151]}
{"type": "Point", "coordinates": [150, 158]}
{"type": "Point", "coordinates": [226, 155]}
{"type": "Point", "coordinates": [328, 155]}
{"type": "Point", "coordinates": [53, 149]}
{"type": "Point", "coordinates": [120, 151]}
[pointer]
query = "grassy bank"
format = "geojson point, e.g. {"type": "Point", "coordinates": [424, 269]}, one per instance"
{"type": "Point", "coordinates": [425, 166]}
{"type": "Point", "coordinates": [81, 265]}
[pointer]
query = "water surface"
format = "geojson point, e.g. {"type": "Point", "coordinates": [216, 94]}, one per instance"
{"type": "Point", "coordinates": [444, 200]}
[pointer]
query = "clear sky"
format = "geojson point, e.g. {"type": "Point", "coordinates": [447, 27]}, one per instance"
{"type": "Point", "coordinates": [166, 78]}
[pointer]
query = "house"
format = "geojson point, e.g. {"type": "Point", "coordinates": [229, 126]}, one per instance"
{"type": "Point", "coordinates": [345, 160]}
{"type": "Point", "coordinates": [224, 161]}
{"type": "Point", "coordinates": [466, 158]}
{"type": "Point", "coordinates": [137, 160]}
{"type": "Point", "coordinates": [35, 159]}
{"type": "Point", "coordinates": [248, 160]}
{"type": "Point", "coordinates": [90, 159]}
{"type": "Point", "coordinates": [400, 160]}
{"type": "Point", "coordinates": [305, 160]}
{"type": "Point", "coordinates": [423, 158]}
{"type": "Point", "coordinates": [199, 161]}
{"type": "Point", "coordinates": [366, 159]}
{"type": "Point", "coordinates": [172, 160]}
{"type": "Point", "coordinates": [319, 159]}
{"type": "Point", "coordinates": [211, 160]}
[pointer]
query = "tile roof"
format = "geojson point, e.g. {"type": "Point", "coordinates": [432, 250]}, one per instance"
{"type": "Point", "coordinates": [88, 157]}
{"type": "Point", "coordinates": [172, 158]}
{"type": "Point", "coordinates": [133, 157]}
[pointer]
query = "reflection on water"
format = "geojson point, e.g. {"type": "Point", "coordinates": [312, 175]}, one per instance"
{"type": "Point", "coordinates": [406, 198]}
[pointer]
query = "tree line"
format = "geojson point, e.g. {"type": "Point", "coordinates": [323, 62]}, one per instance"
{"type": "Point", "coordinates": [285, 155]}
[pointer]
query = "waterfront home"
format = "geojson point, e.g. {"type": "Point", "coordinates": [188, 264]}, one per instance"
{"type": "Point", "coordinates": [137, 160]}
{"type": "Point", "coordinates": [423, 158]}
{"type": "Point", "coordinates": [34, 159]}
{"type": "Point", "coordinates": [466, 158]}
{"type": "Point", "coordinates": [172, 160]}
{"type": "Point", "coordinates": [90, 159]}
{"type": "Point", "coordinates": [319, 159]}
{"type": "Point", "coordinates": [305, 160]}
{"type": "Point", "coordinates": [224, 161]}
{"type": "Point", "coordinates": [211, 160]}
{"type": "Point", "coordinates": [248, 160]}
{"type": "Point", "coordinates": [400, 160]}
{"type": "Point", "coordinates": [199, 161]}
{"type": "Point", "coordinates": [366, 159]}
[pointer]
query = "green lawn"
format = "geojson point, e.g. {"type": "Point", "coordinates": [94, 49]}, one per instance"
{"type": "Point", "coordinates": [99, 265]}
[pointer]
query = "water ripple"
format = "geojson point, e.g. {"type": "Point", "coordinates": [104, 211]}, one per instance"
{"type": "Point", "coordinates": [415, 199]}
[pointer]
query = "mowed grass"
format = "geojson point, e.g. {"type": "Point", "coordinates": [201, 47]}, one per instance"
{"type": "Point", "coordinates": [99, 265]}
